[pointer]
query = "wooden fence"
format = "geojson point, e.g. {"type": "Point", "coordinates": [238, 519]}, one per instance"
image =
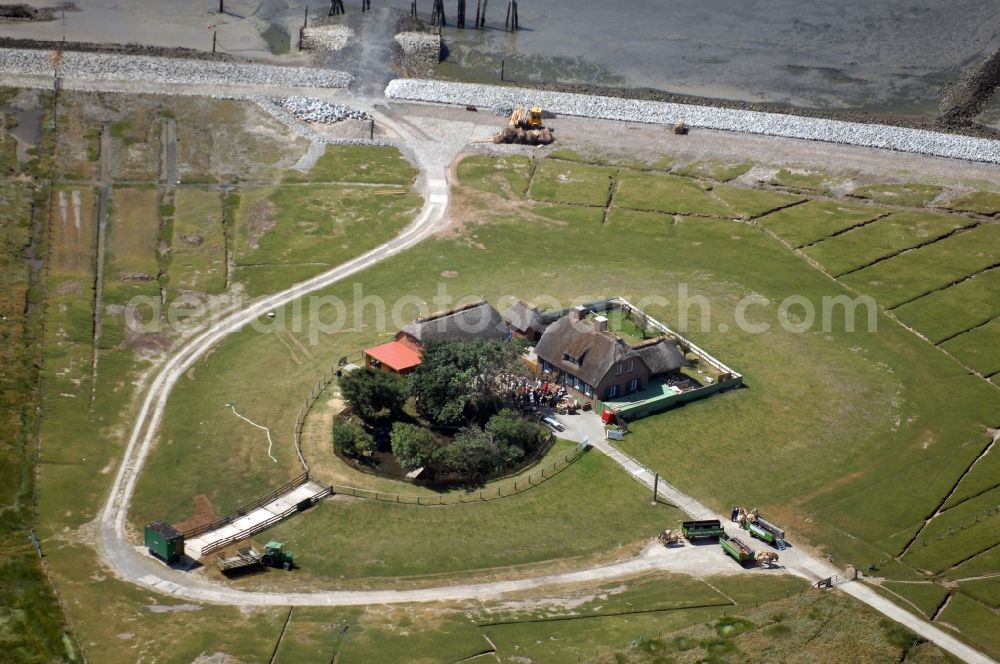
{"type": "Point", "coordinates": [246, 509]}
{"type": "Point", "coordinates": [304, 409]}
{"type": "Point", "coordinates": [218, 545]}
{"type": "Point", "coordinates": [501, 490]}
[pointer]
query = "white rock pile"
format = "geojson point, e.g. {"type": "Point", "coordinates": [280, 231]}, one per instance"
{"type": "Point", "coordinates": [319, 111]}
{"type": "Point", "coordinates": [326, 37]}
{"type": "Point", "coordinates": [753, 122]}
{"type": "Point", "coordinates": [423, 44]}
{"type": "Point", "coordinates": [146, 68]}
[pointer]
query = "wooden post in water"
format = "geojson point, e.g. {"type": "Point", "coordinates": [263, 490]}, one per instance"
{"type": "Point", "coordinates": [437, 14]}
{"type": "Point", "coordinates": [336, 7]}
{"type": "Point", "coordinates": [482, 20]}
{"type": "Point", "coordinates": [511, 20]}
{"type": "Point", "coordinates": [460, 18]}
{"type": "Point", "coordinates": [366, 6]}
{"type": "Point", "coordinates": [478, 9]}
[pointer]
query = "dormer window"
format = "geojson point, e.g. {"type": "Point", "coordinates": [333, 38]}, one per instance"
{"type": "Point", "coordinates": [572, 360]}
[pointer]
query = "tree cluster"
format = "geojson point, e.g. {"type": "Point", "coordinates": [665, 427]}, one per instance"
{"type": "Point", "coordinates": [474, 452]}
{"type": "Point", "coordinates": [457, 384]}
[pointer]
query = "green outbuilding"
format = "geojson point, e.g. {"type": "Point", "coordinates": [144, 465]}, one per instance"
{"type": "Point", "coordinates": [164, 541]}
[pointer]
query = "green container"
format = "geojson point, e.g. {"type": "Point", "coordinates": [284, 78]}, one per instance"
{"type": "Point", "coordinates": [164, 541]}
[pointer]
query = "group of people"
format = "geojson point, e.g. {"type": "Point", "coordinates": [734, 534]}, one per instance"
{"type": "Point", "coordinates": [531, 394]}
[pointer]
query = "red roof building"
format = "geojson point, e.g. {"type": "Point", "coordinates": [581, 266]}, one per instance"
{"type": "Point", "coordinates": [395, 356]}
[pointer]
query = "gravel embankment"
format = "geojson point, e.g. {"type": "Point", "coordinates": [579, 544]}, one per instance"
{"type": "Point", "coordinates": [319, 111]}
{"type": "Point", "coordinates": [113, 67]}
{"type": "Point", "coordinates": [753, 122]}
{"type": "Point", "coordinates": [326, 37]}
{"type": "Point", "coordinates": [302, 128]}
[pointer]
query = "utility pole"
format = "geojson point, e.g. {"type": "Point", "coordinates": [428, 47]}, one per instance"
{"type": "Point", "coordinates": [656, 487]}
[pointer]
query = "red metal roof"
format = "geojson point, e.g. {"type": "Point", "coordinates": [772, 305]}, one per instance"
{"type": "Point", "coordinates": [396, 355]}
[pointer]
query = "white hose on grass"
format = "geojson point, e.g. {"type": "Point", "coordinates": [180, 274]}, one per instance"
{"type": "Point", "coordinates": [270, 443]}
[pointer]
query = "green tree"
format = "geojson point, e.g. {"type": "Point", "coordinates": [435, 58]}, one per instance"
{"type": "Point", "coordinates": [372, 394]}
{"type": "Point", "coordinates": [471, 455]}
{"type": "Point", "coordinates": [413, 446]}
{"type": "Point", "coordinates": [351, 440]}
{"type": "Point", "coordinates": [514, 435]}
{"type": "Point", "coordinates": [458, 381]}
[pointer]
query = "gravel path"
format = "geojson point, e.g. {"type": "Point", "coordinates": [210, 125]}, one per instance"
{"type": "Point", "coordinates": [754, 122]}
{"type": "Point", "coordinates": [114, 67]}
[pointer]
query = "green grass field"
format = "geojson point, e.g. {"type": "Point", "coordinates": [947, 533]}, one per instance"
{"type": "Point", "coordinates": [957, 534]}
{"type": "Point", "coordinates": [568, 182]}
{"type": "Point", "coordinates": [853, 425]}
{"type": "Point", "coordinates": [976, 622]}
{"type": "Point", "coordinates": [817, 219]}
{"type": "Point", "coordinates": [678, 195]}
{"type": "Point", "coordinates": [983, 476]}
{"type": "Point", "coordinates": [507, 176]}
{"type": "Point", "coordinates": [885, 237]}
{"type": "Point", "coordinates": [714, 170]}
{"type": "Point", "coordinates": [544, 523]}
{"type": "Point", "coordinates": [286, 234]}
{"type": "Point", "coordinates": [912, 194]}
{"type": "Point", "coordinates": [910, 275]}
{"type": "Point", "coordinates": [801, 180]}
{"type": "Point", "coordinates": [979, 347]}
{"type": "Point", "coordinates": [983, 202]}
{"type": "Point", "coordinates": [357, 163]}
{"type": "Point", "coordinates": [197, 251]}
{"type": "Point", "coordinates": [925, 596]}
{"type": "Point", "coordinates": [986, 591]}
{"type": "Point", "coordinates": [946, 313]}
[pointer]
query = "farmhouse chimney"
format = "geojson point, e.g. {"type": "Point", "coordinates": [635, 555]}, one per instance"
{"type": "Point", "coordinates": [601, 324]}
{"type": "Point", "coordinates": [578, 312]}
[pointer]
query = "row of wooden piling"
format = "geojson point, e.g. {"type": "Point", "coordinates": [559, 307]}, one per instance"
{"type": "Point", "coordinates": [437, 12]}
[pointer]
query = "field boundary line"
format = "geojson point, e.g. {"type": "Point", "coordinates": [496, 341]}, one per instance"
{"type": "Point", "coordinates": [860, 224]}
{"type": "Point", "coordinates": [612, 614]}
{"type": "Point", "coordinates": [989, 267]}
{"type": "Point", "coordinates": [905, 250]}
{"type": "Point", "coordinates": [970, 329]}
{"type": "Point", "coordinates": [938, 510]}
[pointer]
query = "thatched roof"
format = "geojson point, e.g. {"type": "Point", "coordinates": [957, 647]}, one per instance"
{"type": "Point", "coordinates": [471, 322]}
{"type": "Point", "coordinates": [660, 356]}
{"type": "Point", "coordinates": [523, 317]}
{"type": "Point", "coordinates": [595, 353]}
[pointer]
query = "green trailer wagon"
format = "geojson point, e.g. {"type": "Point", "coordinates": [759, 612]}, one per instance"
{"type": "Point", "coordinates": [764, 531]}
{"type": "Point", "coordinates": [706, 529]}
{"type": "Point", "coordinates": [737, 549]}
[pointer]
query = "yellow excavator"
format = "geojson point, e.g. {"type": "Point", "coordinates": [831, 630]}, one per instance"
{"type": "Point", "coordinates": [525, 127]}
{"type": "Point", "coordinates": [522, 118]}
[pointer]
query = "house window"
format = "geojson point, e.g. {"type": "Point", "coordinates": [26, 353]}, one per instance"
{"type": "Point", "coordinates": [619, 369]}
{"type": "Point", "coordinates": [631, 366]}
{"type": "Point", "coordinates": [572, 360]}
{"type": "Point", "coordinates": [632, 386]}
{"type": "Point", "coordinates": [611, 392]}
{"type": "Point", "coordinates": [588, 390]}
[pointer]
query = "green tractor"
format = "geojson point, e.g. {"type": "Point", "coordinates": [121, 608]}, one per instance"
{"type": "Point", "coordinates": [275, 556]}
